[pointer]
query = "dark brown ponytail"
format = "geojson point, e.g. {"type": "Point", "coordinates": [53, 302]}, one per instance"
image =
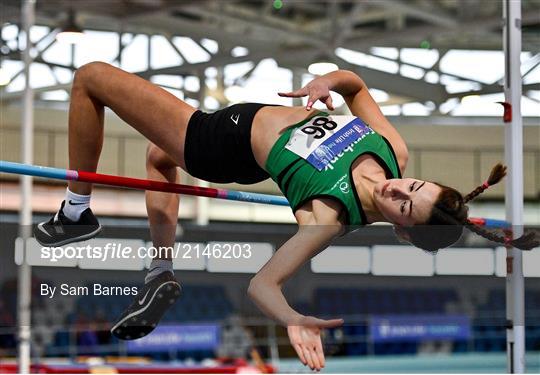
{"type": "Point", "coordinates": [497, 174]}
{"type": "Point", "coordinates": [526, 242]}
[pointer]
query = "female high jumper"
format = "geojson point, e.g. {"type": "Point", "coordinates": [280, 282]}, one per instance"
{"type": "Point", "coordinates": [337, 172]}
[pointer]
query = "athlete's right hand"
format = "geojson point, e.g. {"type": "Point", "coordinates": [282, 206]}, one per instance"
{"type": "Point", "coordinates": [318, 89]}
{"type": "Point", "coordinates": [305, 337]}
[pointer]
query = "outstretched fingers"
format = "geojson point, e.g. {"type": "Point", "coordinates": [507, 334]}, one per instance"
{"type": "Point", "coordinates": [316, 360]}
{"type": "Point", "coordinates": [329, 103]}
{"type": "Point", "coordinates": [313, 96]}
{"type": "Point", "coordinates": [311, 353]}
{"type": "Point", "coordinates": [320, 352]}
{"type": "Point", "coordinates": [294, 94]}
{"type": "Point", "coordinates": [309, 357]}
{"type": "Point", "coordinates": [307, 341]}
{"type": "Point", "coordinates": [323, 97]}
{"type": "Point", "coordinates": [300, 353]}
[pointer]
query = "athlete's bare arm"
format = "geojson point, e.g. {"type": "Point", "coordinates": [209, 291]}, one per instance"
{"type": "Point", "coordinates": [319, 224]}
{"type": "Point", "coordinates": [360, 102]}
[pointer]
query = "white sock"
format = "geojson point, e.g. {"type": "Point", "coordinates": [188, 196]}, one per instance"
{"type": "Point", "coordinates": [75, 205]}
{"type": "Point", "coordinates": [157, 267]}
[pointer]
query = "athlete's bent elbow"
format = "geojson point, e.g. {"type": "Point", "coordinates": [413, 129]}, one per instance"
{"type": "Point", "coordinates": [258, 285]}
{"type": "Point", "coordinates": [254, 286]}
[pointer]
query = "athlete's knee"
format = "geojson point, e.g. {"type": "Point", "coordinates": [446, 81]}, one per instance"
{"type": "Point", "coordinates": [156, 158]}
{"type": "Point", "coordinates": [89, 73]}
{"type": "Point", "coordinates": [153, 155]}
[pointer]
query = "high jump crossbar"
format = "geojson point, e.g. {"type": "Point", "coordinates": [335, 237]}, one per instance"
{"type": "Point", "coordinates": [142, 184]}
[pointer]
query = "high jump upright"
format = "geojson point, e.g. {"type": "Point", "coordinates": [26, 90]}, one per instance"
{"type": "Point", "coordinates": [515, 300]}
{"type": "Point", "coordinates": [25, 214]}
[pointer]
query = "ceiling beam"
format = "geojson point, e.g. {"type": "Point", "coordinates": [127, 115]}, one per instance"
{"type": "Point", "coordinates": [492, 89]}
{"type": "Point", "coordinates": [359, 15]}
{"type": "Point", "coordinates": [194, 68]}
{"type": "Point", "coordinates": [392, 83]}
{"type": "Point", "coordinates": [347, 22]}
{"type": "Point", "coordinates": [169, 26]}
{"type": "Point", "coordinates": [268, 26]}
{"type": "Point", "coordinates": [431, 15]}
{"type": "Point", "coordinates": [412, 36]}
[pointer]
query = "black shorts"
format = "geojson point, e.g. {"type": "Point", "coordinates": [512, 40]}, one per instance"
{"type": "Point", "coordinates": [218, 145]}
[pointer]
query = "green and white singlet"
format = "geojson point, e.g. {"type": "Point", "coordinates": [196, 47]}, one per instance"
{"type": "Point", "coordinates": [314, 158]}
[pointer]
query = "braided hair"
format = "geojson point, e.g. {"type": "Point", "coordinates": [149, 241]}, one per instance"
{"type": "Point", "coordinates": [450, 215]}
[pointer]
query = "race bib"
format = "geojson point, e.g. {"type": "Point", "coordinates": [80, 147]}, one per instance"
{"type": "Point", "coordinates": [322, 139]}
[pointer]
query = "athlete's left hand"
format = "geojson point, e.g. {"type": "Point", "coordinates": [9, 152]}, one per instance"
{"type": "Point", "coordinates": [305, 337]}
{"type": "Point", "coordinates": [318, 89]}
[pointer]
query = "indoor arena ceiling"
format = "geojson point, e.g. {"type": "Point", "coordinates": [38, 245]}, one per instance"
{"type": "Point", "coordinates": [300, 32]}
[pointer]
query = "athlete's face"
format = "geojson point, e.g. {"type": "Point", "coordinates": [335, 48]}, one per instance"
{"type": "Point", "coordinates": [406, 201]}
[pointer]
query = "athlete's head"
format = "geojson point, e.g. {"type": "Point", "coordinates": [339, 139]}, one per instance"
{"type": "Point", "coordinates": [431, 216]}
{"type": "Point", "coordinates": [406, 201]}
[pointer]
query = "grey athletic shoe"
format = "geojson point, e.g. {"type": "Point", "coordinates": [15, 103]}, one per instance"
{"type": "Point", "coordinates": [145, 312]}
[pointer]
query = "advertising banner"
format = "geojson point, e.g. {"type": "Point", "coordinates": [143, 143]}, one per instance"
{"type": "Point", "coordinates": [178, 337]}
{"type": "Point", "coordinates": [419, 327]}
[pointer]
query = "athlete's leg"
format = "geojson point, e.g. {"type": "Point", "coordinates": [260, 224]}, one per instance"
{"type": "Point", "coordinates": [154, 112]}
{"type": "Point", "coordinates": [161, 289]}
{"type": "Point", "coordinates": [162, 208]}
